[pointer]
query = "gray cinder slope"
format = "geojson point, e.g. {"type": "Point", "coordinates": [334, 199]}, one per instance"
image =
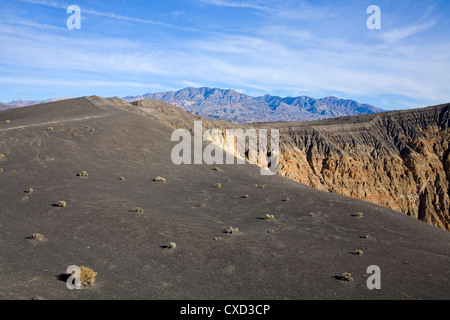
{"type": "Point", "coordinates": [313, 243]}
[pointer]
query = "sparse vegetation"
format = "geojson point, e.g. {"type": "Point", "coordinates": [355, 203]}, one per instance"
{"type": "Point", "coordinates": [92, 129]}
{"type": "Point", "coordinates": [1, 170]}
{"type": "Point", "coordinates": [228, 180]}
{"type": "Point", "coordinates": [137, 209]}
{"type": "Point", "coordinates": [287, 199]}
{"type": "Point", "coordinates": [359, 252]}
{"type": "Point", "coordinates": [87, 277]}
{"type": "Point", "coordinates": [347, 277]}
{"type": "Point", "coordinates": [30, 190]}
{"type": "Point", "coordinates": [37, 237]}
{"type": "Point", "coordinates": [271, 231]}
{"type": "Point", "coordinates": [7, 121]}
{"type": "Point", "coordinates": [82, 174]}
{"type": "Point", "coordinates": [245, 196]}
{"type": "Point", "coordinates": [122, 178]}
{"type": "Point", "coordinates": [61, 204]}
{"type": "Point", "coordinates": [2, 156]}
{"type": "Point", "coordinates": [270, 216]}
{"type": "Point", "coordinates": [160, 179]}
{"type": "Point", "coordinates": [74, 134]}
{"type": "Point", "coordinates": [263, 186]}
{"type": "Point", "coordinates": [366, 236]}
{"type": "Point", "coordinates": [172, 245]}
{"type": "Point", "coordinates": [359, 214]}
{"type": "Point", "coordinates": [202, 205]}
{"type": "Point", "coordinates": [216, 169]}
{"type": "Point", "coordinates": [232, 230]}
{"type": "Point", "coordinates": [70, 129]}
{"type": "Point", "coordinates": [218, 185]}
{"type": "Point", "coordinates": [49, 129]}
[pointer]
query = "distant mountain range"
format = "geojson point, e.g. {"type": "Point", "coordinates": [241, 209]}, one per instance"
{"type": "Point", "coordinates": [237, 107]}
{"type": "Point", "coordinates": [230, 105]}
{"type": "Point", "coordinates": [24, 103]}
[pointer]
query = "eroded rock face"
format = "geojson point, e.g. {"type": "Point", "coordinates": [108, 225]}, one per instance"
{"type": "Point", "coordinates": [399, 160]}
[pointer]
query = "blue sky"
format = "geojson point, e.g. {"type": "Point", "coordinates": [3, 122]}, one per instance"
{"type": "Point", "coordinates": [286, 48]}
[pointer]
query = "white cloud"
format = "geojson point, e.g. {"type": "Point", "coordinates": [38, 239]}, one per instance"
{"type": "Point", "coordinates": [397, 35]}
{"type": "Point", "coordinates": [272, 59]}
{"type": "Point", "coordinates": [110, 15]}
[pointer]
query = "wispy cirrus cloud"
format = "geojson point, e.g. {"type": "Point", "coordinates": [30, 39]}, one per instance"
{"type": "Point", "coordinates": [111, 15]}
{"type": "Point", "coordinates": [396, 35]}
{"type": "Point", "coordinates": [281, 48]}
{"type": "Point", "coordinates": [299, 10]}
{"type": "Point", "coordinates": [235, 4]}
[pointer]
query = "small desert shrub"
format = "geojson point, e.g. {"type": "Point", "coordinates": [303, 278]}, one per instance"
{"type": "Point", "coordinates": [7, 121]}
{"type": "Point", "coordinates": [359, 252]}
{"type": "Point", "coordinates": [347, 277]}
{"type": "Point", "coordinates": [37, 237]}
{"type": "Point", "coordinates": [270, 216]}
{"type": "Point", "coordinates": [122, 178]}
{"type": "Point", "coordinates": [232, 230]}
{"type": "Point", "coordinates": [74, 134]}
{"type": "Point", "coordinates": [30, 190]}
{"type": "Point", "coordinates": [228, 180]}
{"type": "Point", "coordinates": [216, 169]}
{"type": "Point", "coordinates": [49, 129]}
{"type": "Point", "coordinates": [1, 170]}
{"type": "Point", "coordinates": [202, 205]}
{"type": "Point", "coordinates": [359, 214]}
{"type": "Point", "coordinates": [87, 277]}
{"type": "Point", "coordinates": [2, 156]}
{"type": "Point", "coordinates": [92, 130]}
{"type": "Point", "coordinates": [160, 179]}
{"type": "Point", "coordinates": [70, 129]}
{"type": "Point", "coordinates": [366, 236]}
{"type": "Point", "coordinates": [263, 186]}
{"type": "Point", "coordinates": [256, 185]}
{"type": "Point", "coordinates": [245, 196]}
{"type": "Point", "coordinates": [137, 209]}
{"type": "Point", "coordinates": [287, 199]}
{"type": "Point", "coordinates": [83, 174]}
{"type": "Point", "coordinates": [172, 245]}
{"type": "Point", "coordinates": [61, 204]}
{"type": "Point", "coordinates": [271, 231]}
{"type": "Point", "coordinates": [218, 185]}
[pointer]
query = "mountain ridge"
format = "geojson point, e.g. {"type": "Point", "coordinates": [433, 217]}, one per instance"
{"type": "Point", "coordinates": [236, 107]}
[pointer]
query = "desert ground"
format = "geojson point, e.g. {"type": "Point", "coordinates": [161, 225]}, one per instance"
{"type": "Point", "coordinates": [301, 253]}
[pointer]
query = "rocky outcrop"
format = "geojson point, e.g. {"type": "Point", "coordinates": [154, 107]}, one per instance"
{"type": "Point", "coordinates": [399, 160]}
